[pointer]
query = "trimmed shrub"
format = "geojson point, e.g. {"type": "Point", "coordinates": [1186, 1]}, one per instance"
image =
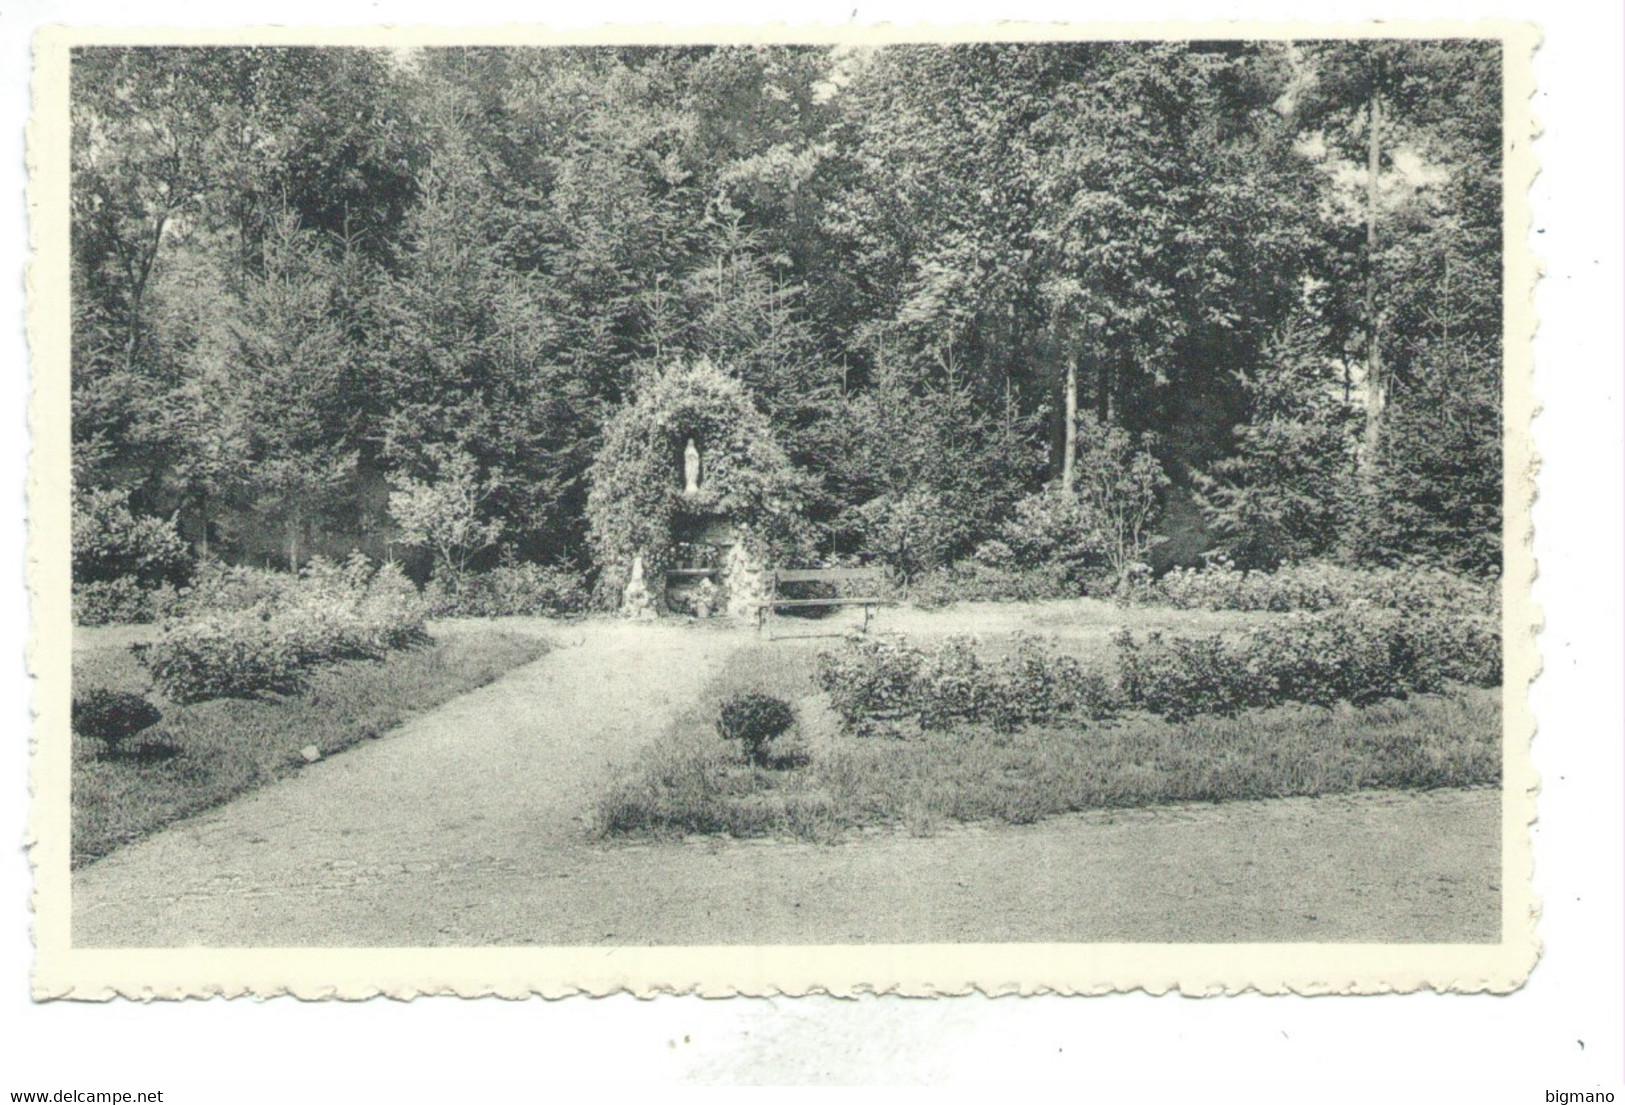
{"type": "Point", "coordinates": [508, 590]}
{"type": "Point", "coordinates": [1035, 684]}
{"type": "Point", "coordinates": [227, 655]}
{"type": "Point", "coordinates": [871, 676]}
{"type": "Point", "coordinates": [753, 720]}
{"type": "Point", "coordinates": [112, 717]}
{"type": "Point", "coordinates": [1456, 648]}
{"type": "Point", "coordinates": [1179, 677]}
{"type": "Point", "coordinates": [121, 602]}
{"type": "Point", "coordinates": [1321, 586]}
{"type": "Point", "coordinates": [978, 582]}
{"type": "Point", "coordinates": [948, 681]}
{"type": "Point", "coordinates": [218, 588]}
{"type": "Point", "coordinates": [330, 612]}
{"type": "Point", "coordinates": [1359, 655]}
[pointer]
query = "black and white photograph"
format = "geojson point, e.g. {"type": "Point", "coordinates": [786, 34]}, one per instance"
{"type": "Point", "coordinates": [1020, 490]}
{"type": "Point", "coordinates": [813, 545]}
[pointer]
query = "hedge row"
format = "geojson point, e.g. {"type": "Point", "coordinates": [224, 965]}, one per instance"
{"type": "Point", "coordinates": [887, 677]}
{"type": "Point", "coordinates": [1319, 586]}
{"type": "Point", "coordinates": [1360, 655]}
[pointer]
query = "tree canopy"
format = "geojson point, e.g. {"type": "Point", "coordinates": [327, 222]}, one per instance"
{"type": "Point", "coordinates": [305, 276]}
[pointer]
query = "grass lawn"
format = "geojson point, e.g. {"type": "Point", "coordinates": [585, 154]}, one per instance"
{"type": "Point", "coordinates": [203, 754]}
{"type": "Point", "coordinates": [826, 782]}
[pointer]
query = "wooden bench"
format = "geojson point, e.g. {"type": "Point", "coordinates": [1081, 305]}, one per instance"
{"type": "Point", "coordinates": [869, 580]}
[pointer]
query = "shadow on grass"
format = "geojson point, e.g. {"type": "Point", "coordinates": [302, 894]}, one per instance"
{"type": "Point", "coordinates": [154, 750]}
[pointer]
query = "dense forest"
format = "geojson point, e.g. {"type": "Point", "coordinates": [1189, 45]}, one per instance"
{"type": "Point", "coordinates": [1258, 282]}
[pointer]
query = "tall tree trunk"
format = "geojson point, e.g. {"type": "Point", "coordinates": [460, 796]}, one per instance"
{"type": "Point", "coordinates": [138, 269]}
{"type": "Point", "coordinates": [1376, 385]}
{"type": "Point", "coordinates": [1069, 452]}
{"type": "Point", "coordinates": [295, 533]}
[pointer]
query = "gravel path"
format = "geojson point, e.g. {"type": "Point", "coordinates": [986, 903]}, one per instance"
{"type": "Point", "coordinates": [468, 826]}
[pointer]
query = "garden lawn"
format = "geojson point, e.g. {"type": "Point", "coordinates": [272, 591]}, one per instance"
{"type": "Point", "coordinates": [203, 754]}
{"type": "Point", "coordinates": [822, 782]}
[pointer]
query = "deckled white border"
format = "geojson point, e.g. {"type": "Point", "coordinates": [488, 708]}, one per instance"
{"type": "Point", "coordinates": [63, 971]}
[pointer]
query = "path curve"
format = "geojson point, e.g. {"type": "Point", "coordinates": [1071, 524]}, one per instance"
{"type": "Point", "coordinates": [468, 826]}
{"type": "Point", "coordinates": [495, 785]}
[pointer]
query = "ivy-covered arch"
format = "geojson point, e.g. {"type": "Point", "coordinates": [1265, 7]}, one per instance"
{"type": "Point", "coordinates": [636, 490]}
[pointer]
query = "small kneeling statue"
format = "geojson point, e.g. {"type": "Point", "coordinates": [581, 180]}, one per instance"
{"type": "Point", "coordinates": [636, 601]}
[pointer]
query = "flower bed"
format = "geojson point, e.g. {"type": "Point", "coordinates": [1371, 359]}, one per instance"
{"type": "Point", "coordinates": [887, 677]}
{"type": "Point", "coordinates": [1362, 654]}
{"type": "Point", "coordinates": [244, 635]}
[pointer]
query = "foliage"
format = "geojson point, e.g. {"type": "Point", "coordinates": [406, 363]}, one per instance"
{"type": "Point", "coordinates": [1455, 647]}
{"type": "Point", "coordinates": [443, 515]}
{"type": "Point", "coordinates": [1325, 586]}
{"type": "Point", "coordinates": [870, 676]}
{"type": "Point", "coordinates": [224, 655]}
{"type": "Point", "coordinates": [112, 543]}
{"type": "Point", "coordinates": [950, 682]}
{"type": "Point", "coordinates": [121, 602]}
{"type": "Point", "coordinates": [924, 470]}
{"type": "Point", "coordinates": [1056, 528]}
{"type": "Point", "coordinates": [331, 612]}
{"type": "Point", "coordinates": [516, 589]}
{"type": "Point", "coordinates": [296, 370]}
{"type": "Point", "coordinates": [296, 271]}
{"type": "Point", "coordinates": [1414, 283]}
{"type": "Point", "coordinates": [1120, 483]}
{"type": "Point", "coordinates": [976, 581]}
{"type": "Point", "coordinates": [472, 368]}
{"type": "Point", "coordinates": [125, 565]}
{"type": "Point", "coordinates": [752, 721]}
{"type": "Point", "coordinates": [1359, 654]}
{"type": "Point", "coordinates": [637, 485]}
{"type": "Point", "coordinates": [218, 587]}
{"type": "Point", "coordinates": [112, 717]}
{"type": "Point", "coordinates": [1435, 491]}
{"type": "Point", "coordinates": [909, 531]}
{"type": "Point", "coordinates": [1286, 493]}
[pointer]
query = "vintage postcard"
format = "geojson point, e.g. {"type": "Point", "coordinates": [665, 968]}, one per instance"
{"type": "Point", "coordinates": [1014, 508]}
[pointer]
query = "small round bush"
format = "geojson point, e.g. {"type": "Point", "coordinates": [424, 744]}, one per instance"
{"type": "Point", "coordinates": [753, 720]}
{"type": "Point", "coordinates": [112, 716]}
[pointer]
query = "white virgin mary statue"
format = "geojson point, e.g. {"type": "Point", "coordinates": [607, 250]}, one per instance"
{"type": "Point", "coordinates": [691, 469]}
